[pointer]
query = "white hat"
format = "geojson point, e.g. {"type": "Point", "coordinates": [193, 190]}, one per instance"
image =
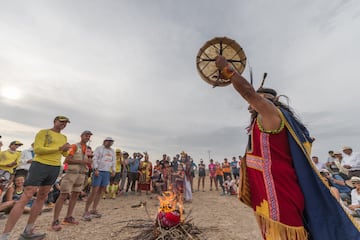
{"type": "Point", "coordinates": [355, 179]}
{"type": "Point", "coordinates": [108, 139]}
{"type": "Point", "coordinates": [352, 180]}
{"type": "Point", "coordinates": [324, 170]}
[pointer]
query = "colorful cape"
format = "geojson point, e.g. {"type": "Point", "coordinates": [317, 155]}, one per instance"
{"type": "Point", "coordinates": [324, 217]}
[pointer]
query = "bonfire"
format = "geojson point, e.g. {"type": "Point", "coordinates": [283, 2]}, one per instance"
{"type": "Point", "coordinates": [169, 223]}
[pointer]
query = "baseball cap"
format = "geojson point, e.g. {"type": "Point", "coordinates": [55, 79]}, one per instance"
{"type": "Point", "coordinates": [16, 143]}
{"type": "Point", "coordinates": [108, 139]}
{"type": "Point", "coordinates": [86, 132]}
{"type": "Point", "coordinates": [62, 119]}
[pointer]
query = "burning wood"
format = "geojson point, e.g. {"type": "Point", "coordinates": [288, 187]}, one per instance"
{"type": "Point", "coordinates": [169, 222]}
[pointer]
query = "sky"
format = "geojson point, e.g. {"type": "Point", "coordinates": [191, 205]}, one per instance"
{"type": "Point", "coordinates": [126, 69]}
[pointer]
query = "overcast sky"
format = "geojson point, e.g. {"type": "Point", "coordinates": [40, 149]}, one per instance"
{"type": "Point", "coordinates": [126, 69]}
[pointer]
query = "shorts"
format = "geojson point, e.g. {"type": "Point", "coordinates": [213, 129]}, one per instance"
{"type": "Point", "coordinates": [116, 178]}
{"type": "Point", "coordinates": [5, 175]}
{"type": "Point", "coordinates": [202, 173]}
{"type": "Point", "coordinates": [42, 175]}
{"type": "Point", "coordinates": [72, 182]}
{"type": "Point", "coordinates": [102, 180]}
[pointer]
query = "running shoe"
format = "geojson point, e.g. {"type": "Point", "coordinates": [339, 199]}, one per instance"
{"type": "Point", "coordinates": [56, 225]}
{"type": "Point", "coordinates": [32, 236]}
{"type": "Point", "coordinates": [70, 220]}
{"type": "Point", "coordinates": [86, 217]}
{"type": "Point", "coordinates": [95, 214]}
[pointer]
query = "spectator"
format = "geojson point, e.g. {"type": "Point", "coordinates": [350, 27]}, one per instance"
{"type": "Point", "coordinates": [343, 172]}
{"type": "Point", "coordinates": [226, 168]}
{"type": "Point", "coordinates": [49, 146]}
{"type": "Point", "coordinates": [202, 174]}
{"type": "Point", "coordinates": [212, 174]}
{"type": "Point", "coordinates": [330, 163]}
{"type": "Point", "coordinates": [219, 178]}
{"type": "Point", "coordinates": [235, 168]}
{"type": "Point", "coordinates": [187, 183]}
{"type": "Point", "coordinates": [338, 182]}
{"type": "Point", "coordinates": [73, 181]}
{"type": "Point", "coordinates": [25, 161]}
{"type": "Point", "coordinates": [351, 161]}
{"type": "Point", "coordinates": [115, 180]}
{"type": "Point", "coordinates": [9, 160]}
{"type": "Point", "coordinates": [103, 163]}
{"type": "Point", "coordinates": [230, 186]}
{"type": "Point", "coordinates": [124, 171]}
{"type": "Point", "coordinates": [355, 195]}
{"type": "Point", "coordinates": [319, 165]}
{"type": "Point", "coordinates": [133, 171]}
{"type": "Point", "coordinates": [15, 192]}
{"type": "Point", "coordinates": [145, 174]}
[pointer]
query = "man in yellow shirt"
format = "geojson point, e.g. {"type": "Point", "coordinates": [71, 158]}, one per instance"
{"type": "Point", "coordinates": [49, 146]}
{"type": "Point", "coordinates": [9, 159]}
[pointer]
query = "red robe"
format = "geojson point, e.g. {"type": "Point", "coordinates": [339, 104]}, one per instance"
{"type": "Point", "coordinates": [276, 196]}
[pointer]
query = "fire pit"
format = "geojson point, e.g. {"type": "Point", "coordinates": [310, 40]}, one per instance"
{"type": "Point", "coordinates": [170, 223]}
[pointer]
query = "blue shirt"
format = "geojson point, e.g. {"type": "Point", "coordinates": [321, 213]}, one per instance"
{"type": "Point", "coordinates": [234, 166]}
{"type": "Point", "coordinates": [341, 188]}
{"type": "Point", "coordinates": [134, 165]}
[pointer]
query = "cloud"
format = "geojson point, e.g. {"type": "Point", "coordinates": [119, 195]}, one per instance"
{"type": "Point", "coordinates": [126, 69]}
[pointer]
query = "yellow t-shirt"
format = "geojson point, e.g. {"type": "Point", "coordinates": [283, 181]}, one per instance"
{"type": "Point", "coordinates": [8, 157]}
{"type": "Point", "coordinates": [118, 163]}
{"type": "Point", "coordinates": [46, 147]}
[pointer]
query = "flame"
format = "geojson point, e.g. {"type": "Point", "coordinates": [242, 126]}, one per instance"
{"type": "Point", "coordinates": [171, 201]}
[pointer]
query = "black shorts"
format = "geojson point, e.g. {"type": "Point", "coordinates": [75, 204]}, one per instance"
{"type": "Point", "coordinates": [202, 173]}
{"type": "Point", "coordinates": [116, 178]}
{"type": "Point", "coordinates": [42, 175]}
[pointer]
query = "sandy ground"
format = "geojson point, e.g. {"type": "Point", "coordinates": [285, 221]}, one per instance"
{"type": "Point", "coordinates": [218, 217]}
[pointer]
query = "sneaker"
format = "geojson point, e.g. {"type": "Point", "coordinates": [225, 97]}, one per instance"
{"type": "Point", "coordinates": [32, 235]}
{"type": "Point", "coordinates": [86, 217]}
{"type": "Point", "coordinates": [70, 220]}
{"type": "Point", "coordinates": [55, 226]}
{"type": "Point", "coordinates": [95, 214]}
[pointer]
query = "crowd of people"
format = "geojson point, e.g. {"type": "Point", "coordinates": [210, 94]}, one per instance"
{"type": "Point", "coordinates": [341, 171]}
{"type": "Point", "coordinates": [28, 185]}
{"type": "Point", "coordinates": [36, 179]}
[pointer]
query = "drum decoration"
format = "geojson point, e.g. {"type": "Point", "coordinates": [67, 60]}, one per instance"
{"type": "Point", "coordinates": [205, 59]}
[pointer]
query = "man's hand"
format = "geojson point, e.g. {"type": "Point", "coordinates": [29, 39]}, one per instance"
{"type": "Point", "coordinates": [347, 166]}
{"type": "Point", "coordinates": [12, 164]}
{"type": "Point", "coordinates": [96, 173]}
{"type": "Point", "coordinates": [221, 62]}
{"type": "Point", "coordinates": [112, 173]}
{"type": "Point", "coordinates": [65, 147]}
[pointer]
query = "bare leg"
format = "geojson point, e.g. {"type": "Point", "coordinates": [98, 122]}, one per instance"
{"type": "Point", "coordinates": [72, 202]}
{"type": "Point", "coordinates": [199, 184]}
{"type": "Point", "coordinates": [36, 208]}
{"type": "Point", "coordinates": [97, 197]}
{"type": "Point", "coordinates": [93, 193]}
{"type": "Point", "coordinates": [203, 183]}
{"type": "Point", "coordinates": [216, 183]}
{"type": "Point", "coordinates": [59, 204]}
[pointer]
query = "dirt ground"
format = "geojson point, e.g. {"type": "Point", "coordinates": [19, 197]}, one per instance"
{"type": "Point", "coordinates": [218, 217]}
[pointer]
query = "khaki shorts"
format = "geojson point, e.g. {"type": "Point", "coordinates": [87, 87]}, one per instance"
{"type": "Point", "coordinates": [72, 182]}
